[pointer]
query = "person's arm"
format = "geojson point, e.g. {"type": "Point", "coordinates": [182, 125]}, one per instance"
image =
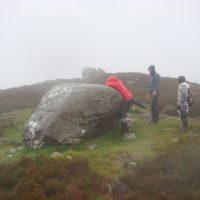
{"type": "Point", "coordinates": [139, 104]}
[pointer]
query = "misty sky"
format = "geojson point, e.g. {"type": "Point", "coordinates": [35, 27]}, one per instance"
{"type": "Point", "coordinates": [50, 39]}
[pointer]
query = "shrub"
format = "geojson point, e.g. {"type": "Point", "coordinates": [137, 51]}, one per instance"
{"type": "Point", "coordinates": [47, 178]}
{"type": "Point", "coordinates": [172, 176]}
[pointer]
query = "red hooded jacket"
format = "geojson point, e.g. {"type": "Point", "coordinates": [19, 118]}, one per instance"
{"type": "Point", "coordinates": [114, 82]}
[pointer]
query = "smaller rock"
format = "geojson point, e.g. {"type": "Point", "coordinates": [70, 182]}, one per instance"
{"type": "Point", "coordinates": [56, 154]}
{"type": "Point", "coordinates": [134, 164]}
{"type": "Point", "coordinates": [69, 157]}
{"type": "Point", "coordinates": [19, 148]}
{"type": "Point", "coordinates": [129, 136]}
{"type": "Point", "coordinates": [175, 140]}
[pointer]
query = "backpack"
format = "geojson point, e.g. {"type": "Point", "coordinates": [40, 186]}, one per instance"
{"type": "Point", "coordinates": [189, 97]}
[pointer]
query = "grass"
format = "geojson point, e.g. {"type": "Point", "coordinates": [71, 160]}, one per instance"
{"type": "Point", "coordinates": [111, 151]}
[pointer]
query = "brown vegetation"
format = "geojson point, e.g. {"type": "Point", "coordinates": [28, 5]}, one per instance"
{"type": "Point", "coordinates": [173, 176]}
{"type": "Point", "coordinates": [53, 179]}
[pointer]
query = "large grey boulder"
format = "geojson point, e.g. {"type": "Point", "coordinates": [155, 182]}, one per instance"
{"type": "Point", "coordinates": [69, 113]}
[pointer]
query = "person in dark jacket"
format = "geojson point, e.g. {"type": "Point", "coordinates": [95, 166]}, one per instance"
{"type": "Point", "coordinates": [128, 100]}
{"type": "Point", "coordinates": [154, 89]}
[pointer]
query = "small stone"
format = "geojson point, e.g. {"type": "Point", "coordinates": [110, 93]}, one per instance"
{"type": "Point", "coordinates": [92, 146]}
{"type": "Point", "coordinates": [69, 157]}
{"type": "Point", "coordinates": [19, 148]}
{"type": "Point", "coordinates": [133, 164]}
{"type": "Point", "coordinates": [129, 136]}
{"type": "Point", "coordinates": [56, 154]}
{"type": "Point", "coordinates": [175, 140]}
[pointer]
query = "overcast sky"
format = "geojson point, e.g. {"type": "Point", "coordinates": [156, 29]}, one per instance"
{"type": "Point", "coordinates": [50, 39]}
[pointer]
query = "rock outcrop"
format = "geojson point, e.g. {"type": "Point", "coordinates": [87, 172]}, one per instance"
{"type": "Point", "coordinates": [91, 72]}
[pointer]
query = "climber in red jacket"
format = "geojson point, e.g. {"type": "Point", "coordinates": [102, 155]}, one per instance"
{"type": "Point", "coordinates": [128, 100]}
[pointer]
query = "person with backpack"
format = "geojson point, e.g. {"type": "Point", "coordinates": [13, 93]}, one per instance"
{"type": "Point", "coordinates": [128, 100]}
{"type": "Point", "coordinates": [183, 101]}
{"type": "Point", "coordinates": [154, 89]}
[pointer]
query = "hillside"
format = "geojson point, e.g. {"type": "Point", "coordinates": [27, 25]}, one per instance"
{"type": "Point", "coordinates": [160, 163]}
{"type": "Point", "coordinates": [100, 168]}
{"type": "Point", "coordinates": [29, 96]}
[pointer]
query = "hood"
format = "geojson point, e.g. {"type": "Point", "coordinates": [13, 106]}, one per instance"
{"type": "Point", "coordinates": [152, 70]}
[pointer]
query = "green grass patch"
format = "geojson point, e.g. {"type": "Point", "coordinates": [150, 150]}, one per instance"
{"type": "Point", "coordinates": [111, 150]}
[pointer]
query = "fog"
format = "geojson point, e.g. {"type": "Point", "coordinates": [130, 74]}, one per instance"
{"type": "Point", "coordinates": [51, 39]}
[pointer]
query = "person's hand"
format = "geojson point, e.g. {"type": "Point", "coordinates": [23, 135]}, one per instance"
{"type": "Point", "coordinates": [154, 93]}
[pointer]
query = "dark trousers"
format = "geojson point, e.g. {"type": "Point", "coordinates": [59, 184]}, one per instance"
{"type": "Point", "coordinates": [154, 109]}
{"type": "Point", "coordinates": [126, 105]}
{"type": "Point", "coordinates": [184, 119]}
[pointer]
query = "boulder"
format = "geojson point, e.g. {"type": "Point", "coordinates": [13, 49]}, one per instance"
{"type": "Point", "coordinates": [91, 72]}
{"type": "Point", "coordinates": [69, 113]}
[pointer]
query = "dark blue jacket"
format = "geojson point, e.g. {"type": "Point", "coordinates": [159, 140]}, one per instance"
{"type": "Point", "coordinates": [154, 83]}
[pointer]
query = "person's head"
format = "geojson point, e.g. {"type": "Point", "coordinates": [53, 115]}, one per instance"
{"type": "Point", "coordinates": [181, 79]}
{"type": "Point", "coordinates": [152, 69]}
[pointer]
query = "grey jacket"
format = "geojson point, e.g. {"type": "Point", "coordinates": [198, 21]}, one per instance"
{"type": "Point", "coordinates": [182, 96]}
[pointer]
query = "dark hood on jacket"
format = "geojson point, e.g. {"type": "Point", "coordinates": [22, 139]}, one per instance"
{"type": "Point", "coordinates": [152, 69]}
